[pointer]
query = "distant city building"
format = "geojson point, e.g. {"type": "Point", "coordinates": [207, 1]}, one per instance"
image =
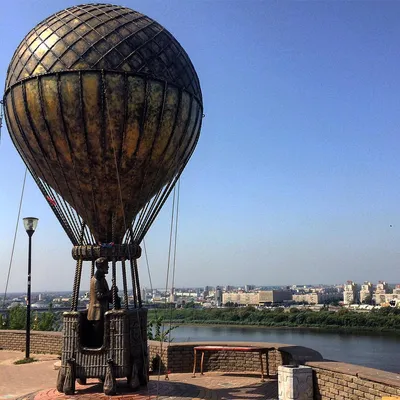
{"type": "Point", "coordinates": [366, 292]}
{"type": "Point", "coordinates": [257, 298]}
{"type": "Point", "coordinates": [184, 293]}
{"type": "Point", "coordinates": [40, 305]}
{"type": "Point", "coordinates": [172, 296]}
{"type": "Point", "coordinates": [382, 287]}
{"type": "Point", "coordinates": [396, 290]}
{"type": "Point", "coordinates": [381, 292]}
{"type": "Point", "coordinates": [274, 296]}
{"type": "Point", "coordinates": [309, 298]}
{"type": "Point", "coordinates": [350, 293]}
{"type": "Point", "coordinates": [383, 298]}
{"type": "Point", "coordinates": [242, 299]}
{"type": "Point", "coordinates": [316, 297]}
{"type": "Point", "coordinates": [218, 296]}
{"type": "Point", "coordinates": [249, 288]}
{"type": "Point", "coordinates": [231, 297]}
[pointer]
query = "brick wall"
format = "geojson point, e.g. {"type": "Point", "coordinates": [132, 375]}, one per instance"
{"type": "Point", "coordinates": [41, 342]}
{"type": "Point", "coordinates": [180, 356]}
{"type": "Point", "coordinates": [340, 381]}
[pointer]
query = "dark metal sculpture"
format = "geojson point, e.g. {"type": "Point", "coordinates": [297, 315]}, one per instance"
{"type": "Point", "coordinates": [105, 108]}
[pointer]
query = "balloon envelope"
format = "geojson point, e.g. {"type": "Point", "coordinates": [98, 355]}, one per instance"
{"type": "Point", "coordinates": [105, 108]}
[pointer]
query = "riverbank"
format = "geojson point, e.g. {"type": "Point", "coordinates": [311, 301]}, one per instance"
{"type": "Point", "coordinates": [322, 329]}
{"type": "Point", "coordinates": [386, 321]}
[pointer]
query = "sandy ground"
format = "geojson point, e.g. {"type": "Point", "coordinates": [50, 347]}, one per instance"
{"type": "Point", "coordinates": [17, 380]}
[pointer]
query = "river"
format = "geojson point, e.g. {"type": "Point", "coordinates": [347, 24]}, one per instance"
{"type": "Point", "coordinates": [371, 350]}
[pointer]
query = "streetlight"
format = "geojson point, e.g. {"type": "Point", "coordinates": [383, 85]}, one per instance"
{"type": "Point", "coordinates": [30, 224]}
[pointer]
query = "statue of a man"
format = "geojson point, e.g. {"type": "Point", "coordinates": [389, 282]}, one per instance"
{"type": "Point", "coordinates": [100, 298]}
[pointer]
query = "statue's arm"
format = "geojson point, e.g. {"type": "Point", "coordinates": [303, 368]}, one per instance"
{"type": "Point", "coordinates": [101, 291]}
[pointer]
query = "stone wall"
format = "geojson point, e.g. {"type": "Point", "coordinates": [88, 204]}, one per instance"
{"type": "Point", "coordinates": [41, 342]}
{"type": "Point", "coordinates": [178, 357]}
{"type": "Point", "coordinates": [339, 381]}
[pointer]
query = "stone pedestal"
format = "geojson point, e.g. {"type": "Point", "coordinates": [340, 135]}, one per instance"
{"type": "Point", "coordinates": [295, 382]}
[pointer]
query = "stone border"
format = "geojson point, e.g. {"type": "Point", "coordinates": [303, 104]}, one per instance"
{"type": "Point", "coordinates": [351, 381]}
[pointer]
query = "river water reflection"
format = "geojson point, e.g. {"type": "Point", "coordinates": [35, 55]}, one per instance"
{"type": "Point", "coordinates": [375, 351]}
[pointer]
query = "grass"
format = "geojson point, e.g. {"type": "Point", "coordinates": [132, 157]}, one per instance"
{"type": "Point", "coordinates": [25, 361]}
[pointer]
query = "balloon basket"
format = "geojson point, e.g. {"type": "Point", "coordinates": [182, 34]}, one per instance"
{"type": "Point", "coordinates": [123, 352]}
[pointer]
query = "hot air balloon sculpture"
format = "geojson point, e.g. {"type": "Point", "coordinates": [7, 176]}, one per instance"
{"type": "Point", "coordinates": [105, 108]}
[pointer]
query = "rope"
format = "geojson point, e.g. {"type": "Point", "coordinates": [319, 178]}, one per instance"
{"type": "Point", "coordinates": [174, 262]}
{"type": "Point", "coordinates": [167, 279]}
{"type": "Point", "coordinates": [114, 282]}
{"type": "Point", "coordinates": [114, 267]}
{"type": "Point", "coordinates": [148, 269]}
{"type": "Point", "coordinates": [77, 281]}
{"type": "Point", "coordinates": [92, 269]}
{"type": "Point", "coordinates": [15, 235]}
{"type": "Point", "coordinates": [149, 274]}
{"type": "Point", "coordinates": [133, 283]}
{"type": "Point", "coordinates": [126, 301]}
{"type": "Point", "coordinates": [1, 116]}
{"type": "Point", "coordinates": [78, 274]}
{"type": "Point", "coordinates": [139, 296]}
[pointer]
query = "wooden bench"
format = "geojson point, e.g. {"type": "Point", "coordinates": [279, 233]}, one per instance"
{"type": "Point", "coordinates": [259, 350]}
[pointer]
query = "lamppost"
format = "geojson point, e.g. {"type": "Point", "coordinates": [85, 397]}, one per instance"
{"type": "Point", "coordinates": [30, 224]}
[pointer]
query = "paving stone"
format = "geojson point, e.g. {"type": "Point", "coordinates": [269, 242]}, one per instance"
{"type": "Point", "coordinates": [211, 386]}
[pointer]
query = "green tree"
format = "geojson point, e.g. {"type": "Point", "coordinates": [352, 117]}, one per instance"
{"type": "Point", "coordinates": [45, 321]}
{"type": "Point", "coordinates": [190, 304]}
{"type": "Point", "coordinates": [155, 330]}
{"type": "Point", "coordinates": [17, 318]}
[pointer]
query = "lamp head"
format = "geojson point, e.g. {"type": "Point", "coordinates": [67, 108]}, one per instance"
{"type": "Point", "coordinates": [30, 224]}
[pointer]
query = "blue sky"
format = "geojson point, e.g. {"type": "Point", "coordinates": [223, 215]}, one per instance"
{"type": "Point", "coordinates": [296, 175]}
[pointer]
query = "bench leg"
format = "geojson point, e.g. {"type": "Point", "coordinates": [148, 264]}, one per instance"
{"type": "Point", "coordinates": [201, 363]}
{"type": "Point", "coordinates": [194, 364]}
{"type": "Point", "coordinates": [262, 366]}
{"type": "Point", "coordinates": [267, 363]}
